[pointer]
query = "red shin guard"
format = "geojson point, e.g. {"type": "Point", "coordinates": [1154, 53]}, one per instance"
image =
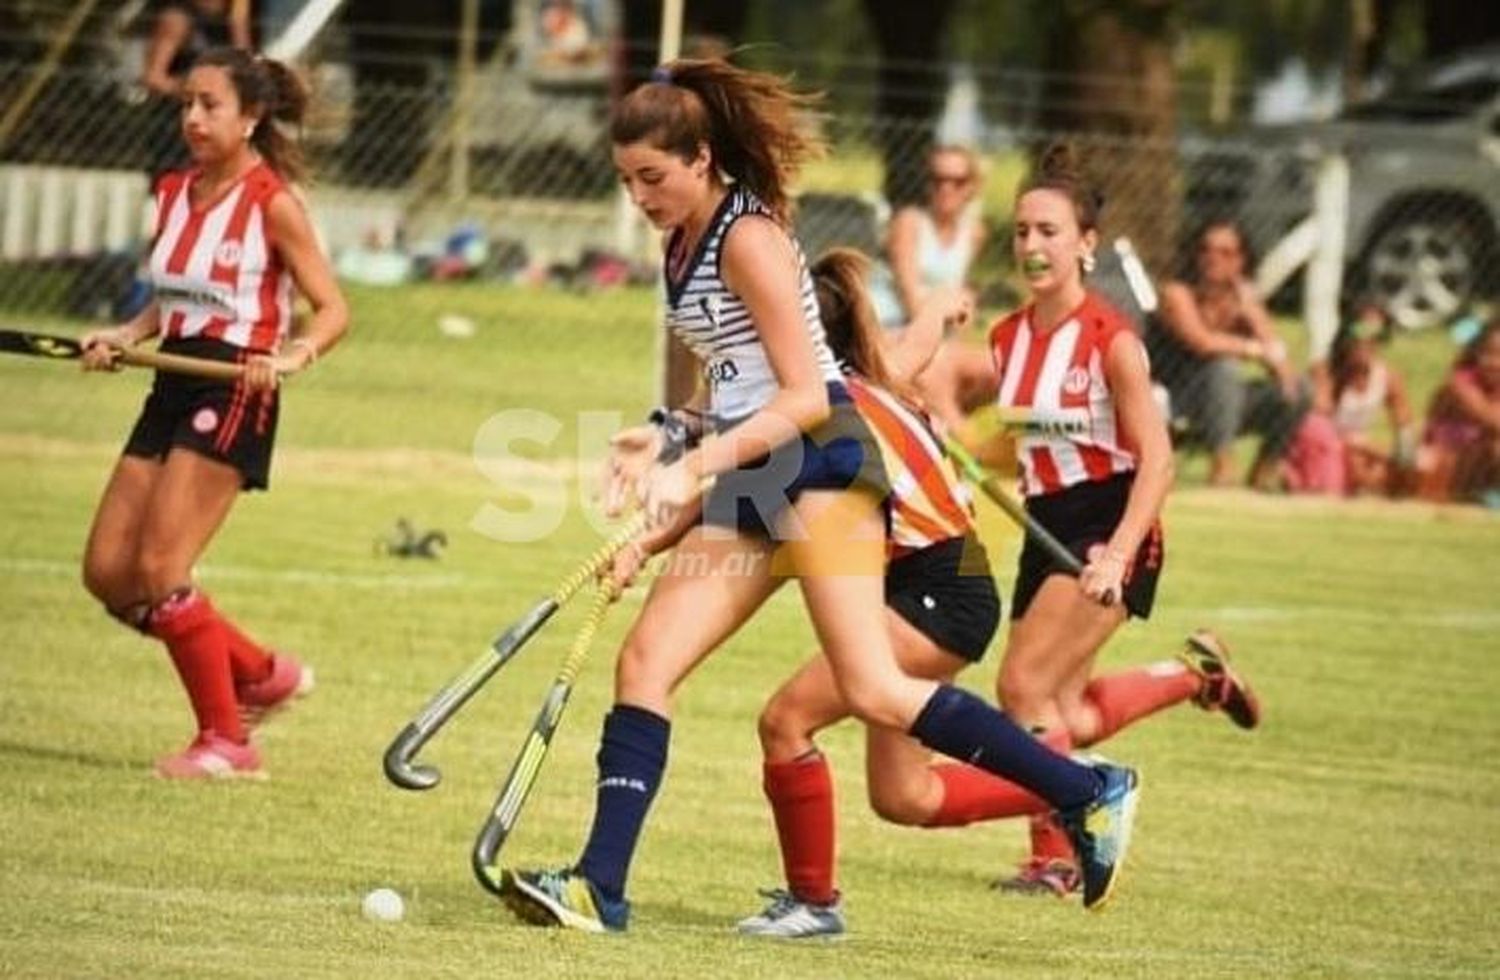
{"type": "Point", "coordinates": [1123, 698]}
{"type": "Point", "coordinates": [801, 796]}
{"type": "Point", "coordinates": [971, 795]}
{"type": "Point", "coordinates": [248, 660]}
{"type": "Point", "coordinates": [193, 632]}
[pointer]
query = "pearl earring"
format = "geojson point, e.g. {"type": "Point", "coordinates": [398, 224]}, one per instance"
{"type": "Point", "coordinates": [1088, 262]}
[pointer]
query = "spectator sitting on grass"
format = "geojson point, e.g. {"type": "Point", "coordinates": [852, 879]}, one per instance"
{"type": "Point", "coordinates": [1335, 450]}
{"type": "Point", "coordinates": [1460, 454]}
{"type": "Point", "coordinates": [1210, 322]}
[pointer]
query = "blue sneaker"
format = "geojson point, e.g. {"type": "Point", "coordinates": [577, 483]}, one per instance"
{"type": "Point", "coordinates": [789, 917]}
{"type": "Point", "coordinates": [1100, 831]}
{"type": "Point", "coordinates": [561, 898]}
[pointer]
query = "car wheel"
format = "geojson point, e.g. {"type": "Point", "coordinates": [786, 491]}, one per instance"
{"type": "Point", "coordinates": [1423, 268]}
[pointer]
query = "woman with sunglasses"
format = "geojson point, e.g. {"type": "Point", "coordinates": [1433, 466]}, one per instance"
{"type": "Point", "coordinates": [932, 246]}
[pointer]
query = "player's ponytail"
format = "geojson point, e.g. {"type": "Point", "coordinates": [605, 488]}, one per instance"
{"type": "Point", "coordinates": [281, 99]}
{"type": "Point", "coordinates": [756, 127]}
{"type": "Point", "coordinates": [849, 320]}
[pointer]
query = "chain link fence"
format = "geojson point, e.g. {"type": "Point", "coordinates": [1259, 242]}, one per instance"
{"type": "Point", "coordinates": [513, 187]}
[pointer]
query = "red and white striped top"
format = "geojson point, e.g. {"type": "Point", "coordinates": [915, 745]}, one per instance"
{"type": "Point", "coordinates": [214, 270]}
{"type": "Point", "coordinates": [929, 503]}
{"type": "Point", "coordinates": [1056, 380]}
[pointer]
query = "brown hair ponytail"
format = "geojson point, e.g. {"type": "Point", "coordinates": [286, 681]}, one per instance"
{"type": "Point", "coordinates": [754, 124]}
{"type": "Point", "coordinates": [849, 321]}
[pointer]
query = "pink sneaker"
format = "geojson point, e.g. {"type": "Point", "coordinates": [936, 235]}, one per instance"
{"type": "Point", "coordinates": [1042, 876]}
{"type": "Point", "coordinates": [289, 680]}
{"type": "Point", "coordinates": [212, 756]}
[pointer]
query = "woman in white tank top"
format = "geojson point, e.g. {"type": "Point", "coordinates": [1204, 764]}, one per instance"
{"type": "Point", "coordinates": [933, 246]}
{"type": "Point", "coordinates": [1361, 385]}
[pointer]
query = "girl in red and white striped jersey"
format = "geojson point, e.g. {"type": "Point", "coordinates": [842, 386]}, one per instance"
{"type": "Point", "coordinates": [231, 242]}
{"type": "Point", "coordinates": [1096, 465]}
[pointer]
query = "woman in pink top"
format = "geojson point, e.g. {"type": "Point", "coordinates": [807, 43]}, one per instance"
{"type": "Point", "coordinates": [1460, 455]}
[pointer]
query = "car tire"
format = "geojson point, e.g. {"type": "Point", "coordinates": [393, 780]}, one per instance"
{"type": "Point", "coordinates": [1423, 267]}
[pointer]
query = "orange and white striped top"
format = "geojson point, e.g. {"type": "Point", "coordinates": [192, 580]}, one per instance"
{"type": "Point", "coordinates": [1057, 380]}
{"type": "Point", "coordinates": [214, 270]}
{"type": "Point", "coordinates": [929, 503]}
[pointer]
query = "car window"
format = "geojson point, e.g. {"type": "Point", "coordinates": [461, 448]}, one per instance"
{"type": "Point", "coordinates": [1447, 92]}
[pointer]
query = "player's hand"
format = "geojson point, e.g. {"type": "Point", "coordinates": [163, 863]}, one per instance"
{"type": "Point", "coordinates": [954, 305]}
{"type": "Point", "coordinates": [101, 348]}
{"type": "Point", "coordinates": [1103, 578]}
{"type": "Point", "coordinates": [632, 452]}
{"type": "Point", "coordinates": [265, 371]}
{"type": "Point", "coordinates": [666, 490]}
{"type": "Point", "coordinates": [622, 570]}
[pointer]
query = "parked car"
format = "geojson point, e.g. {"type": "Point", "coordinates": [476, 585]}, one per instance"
{"type": "Point", "coordinates": [1423, 233]}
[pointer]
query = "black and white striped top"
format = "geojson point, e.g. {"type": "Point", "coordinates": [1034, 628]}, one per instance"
{"type": "Point", "coordinates": [714, 323]}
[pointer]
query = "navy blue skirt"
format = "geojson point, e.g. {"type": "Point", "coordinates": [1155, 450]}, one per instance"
{"type": "Point", "coordinates": [840, 454]}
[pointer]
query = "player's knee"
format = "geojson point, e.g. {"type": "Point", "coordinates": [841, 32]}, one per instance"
{"type": "Point", "coordinates": [781, 728]}
{"type": "Point", "coordinates": [110, 580]}
{"type": "Point", "coordinates": [636, 679]}
{"type": "Point", "coordinates": [100, 578]}
{"type": "Point", "coordinates": [159, 573]}
{"type": "Point", "coordinates": [898, 804]}
{"type": "Point", "coordinates": [1080, 721]}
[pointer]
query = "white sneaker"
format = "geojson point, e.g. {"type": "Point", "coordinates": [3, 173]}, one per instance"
{"type": "Point", "coordinates": [789, 917]}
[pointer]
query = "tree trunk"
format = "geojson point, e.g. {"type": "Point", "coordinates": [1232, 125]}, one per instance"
{"type": "Point", "coordinates": [1111, 87]}
{"type": "Point", "coordinates": [911, 81]}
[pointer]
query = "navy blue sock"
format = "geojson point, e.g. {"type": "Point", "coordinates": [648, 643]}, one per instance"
{"type": "Point", "coordinates": [961, 726]}
{"type": "Point", "coordinates": [632, 757]}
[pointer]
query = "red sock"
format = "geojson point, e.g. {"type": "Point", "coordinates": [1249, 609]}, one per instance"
{"type": "Point", "coordinates": [248, 660]}
{"type": "Point", "coordinates": [187, 623]}
{"type": "Point", "coordinates": [1049, 841]}
{"type": "Point", "coordinates": [801, 795]}
{"type": "Point", "coordinates": [970, 794]}
{"type": "Point", "coordinates": [1123, 698]}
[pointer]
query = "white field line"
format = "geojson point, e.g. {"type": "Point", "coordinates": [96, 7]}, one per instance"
{"type": "Point", "coordinates": [1444, 618]}
{"type": "Point", "coordinates": [1452, 618]}
{"type": "Point", "coordinates": [304, 576]}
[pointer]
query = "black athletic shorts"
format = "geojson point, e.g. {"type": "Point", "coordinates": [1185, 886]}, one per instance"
{"type": "Point", "coordinates": [1081, 517]}
{"type": "Point", "coordinates": [218, 419]}
{"type": "Point", "coordinates": [840, 453]}
{"type": "Point", "coordinates": [947, 592]}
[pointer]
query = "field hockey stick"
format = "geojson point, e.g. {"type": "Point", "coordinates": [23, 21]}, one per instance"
{"type": "Point", "coordinates": [1136, 277]}
{"type": "Point", "coordinates": [400, 767]}
{"type": "Point", "coordinates": [68, 349]}
{"type": "Point", "coordinates": [990, 484]}
{"type": "Point", "coordinates": [523, 772]}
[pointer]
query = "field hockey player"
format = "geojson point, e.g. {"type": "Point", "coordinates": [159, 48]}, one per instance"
{"type": "Point", "coordinates": [231, 240]}
{"type": "Point", "coordinates": [1096, 466]}
{"type": "Point", "coordinates": [797, 469]}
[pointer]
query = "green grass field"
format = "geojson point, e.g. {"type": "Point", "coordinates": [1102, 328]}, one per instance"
{"type": "Point", "coordinates": [1353, 836]}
